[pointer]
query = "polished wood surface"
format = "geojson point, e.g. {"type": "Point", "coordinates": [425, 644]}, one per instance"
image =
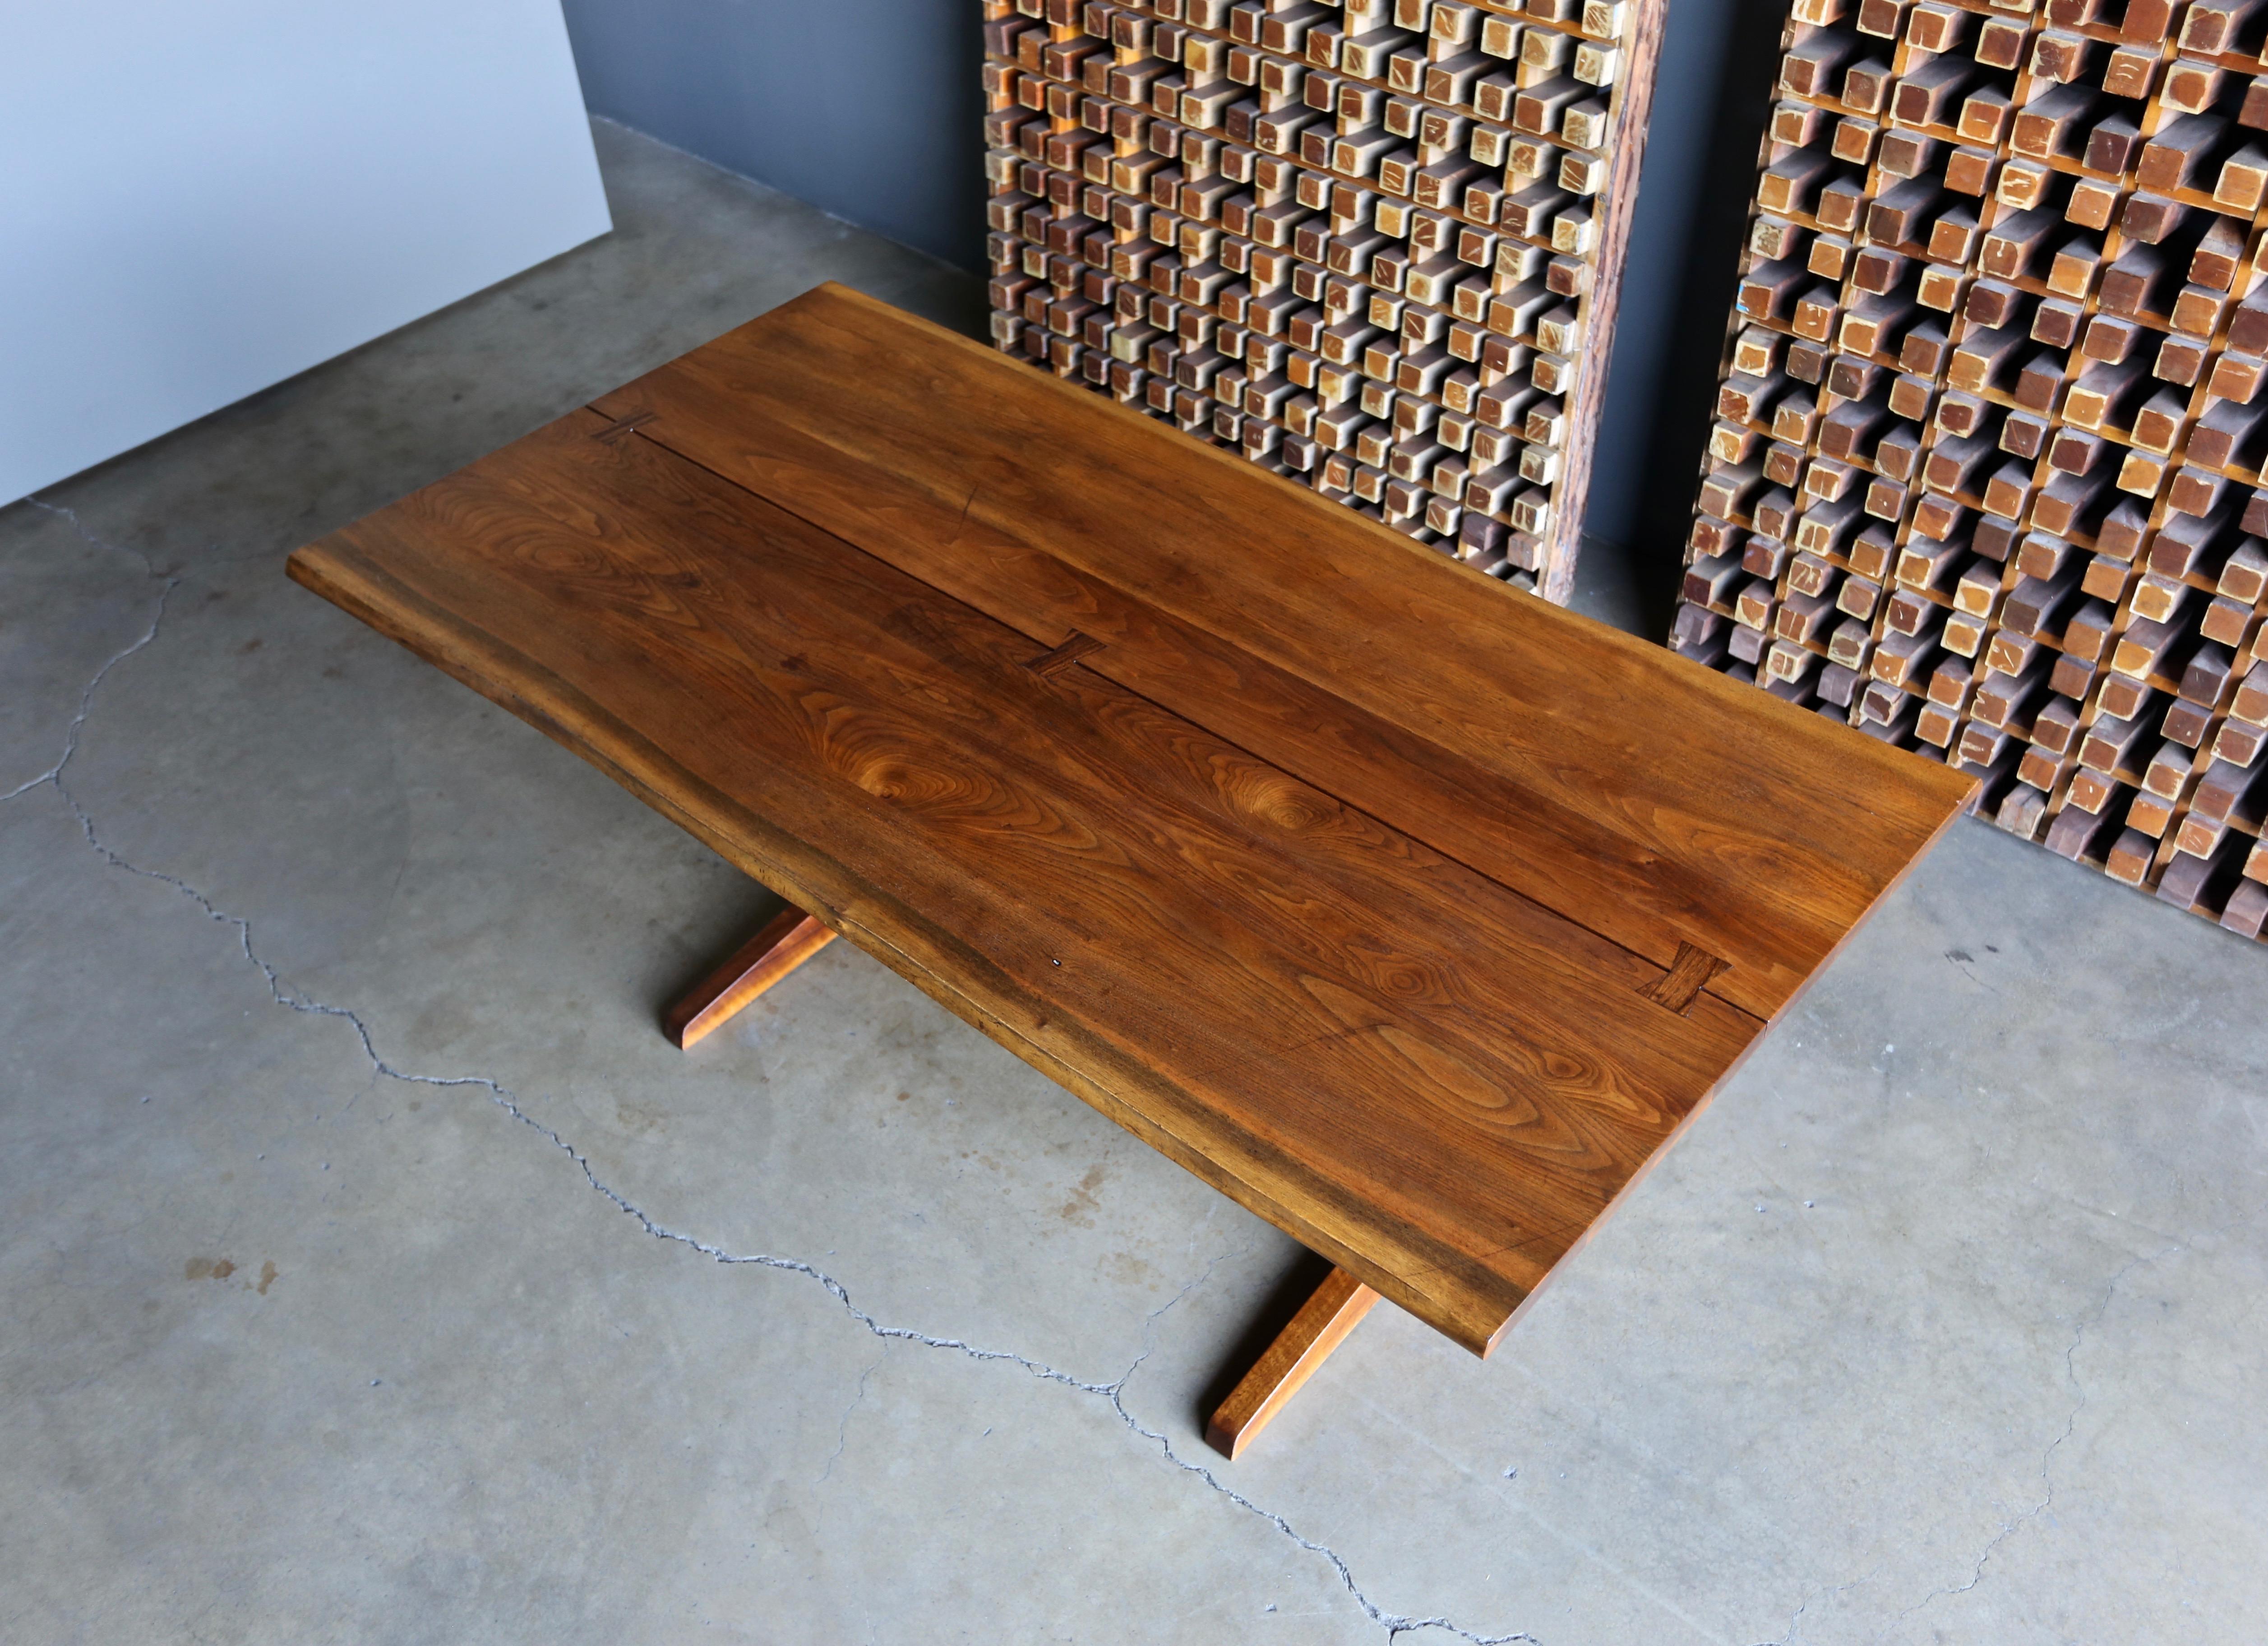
{"type": "Point", "coordinates": [1413, 913]}
{"type": "Point", "coordinates": [1334, 1310]}
{"type": "Point", "coordinates": [1602, 776]}
{"type": "Point", "coordinates": [784, 942]}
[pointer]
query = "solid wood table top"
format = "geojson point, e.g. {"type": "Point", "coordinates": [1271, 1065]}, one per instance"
{"type": "Point", "coordinates": [1412, 912]}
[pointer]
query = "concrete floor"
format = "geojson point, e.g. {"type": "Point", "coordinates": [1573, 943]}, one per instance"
{"type": "Point", "coordinates": [372, 1270]}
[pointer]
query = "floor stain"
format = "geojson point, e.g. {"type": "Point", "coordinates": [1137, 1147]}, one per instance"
{"type": "Point", "coordinates": [266, 1278]}
{"type": "Point", "coordinates": [207, 1269]}
{"type": "Point", "coordinates": [1082, 1206]}
{"type": "Point", "coordinates": [639, 1119]}
{"type": "Point", "coordinates": [1124, 1268]}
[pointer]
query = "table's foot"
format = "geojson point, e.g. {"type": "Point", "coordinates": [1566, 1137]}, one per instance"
{"type": "Point", "coordinates": [787, 942]}
{"type": "Point", "coordinates": [1321, 1326]}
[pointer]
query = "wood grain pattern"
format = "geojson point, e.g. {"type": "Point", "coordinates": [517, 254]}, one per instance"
{"type": "Point", "coordinates": [782, 944]}
{"type": "Point", "coordinates": [1530, 744]}
{"type": "Point", "coordinates": [1688, 975]}
{"type": "Point", "coordinates": [1158, 852]}
{"type": "Point", "coordinates": [1335, 1308]}
{"type": "Point", "coordinates": [1619, 205]}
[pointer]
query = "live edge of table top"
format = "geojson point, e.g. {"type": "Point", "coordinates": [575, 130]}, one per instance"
{"type": "Point", "coordinates": [1360, 885]}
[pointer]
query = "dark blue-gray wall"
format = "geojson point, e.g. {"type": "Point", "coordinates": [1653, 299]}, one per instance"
{"type": "Point", "coordinates": [871, 109]}
{"type": "Point", "coordinates": [1720, 59]}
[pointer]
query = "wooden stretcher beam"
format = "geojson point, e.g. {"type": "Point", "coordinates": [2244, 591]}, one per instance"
{"type": "Point", "coordinates": [1334, 1310]}
{"type": "Point", "coordinates": [787, 940]}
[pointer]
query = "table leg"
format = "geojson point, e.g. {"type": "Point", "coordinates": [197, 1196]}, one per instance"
{"type": "Point", "coordinates": [1321, 1326]}
{"type": "Point", "coordinates": [787, 942]}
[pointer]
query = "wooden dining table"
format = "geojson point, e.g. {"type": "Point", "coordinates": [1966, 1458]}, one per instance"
{"type": "Point", "coordinates": [1413, 914]}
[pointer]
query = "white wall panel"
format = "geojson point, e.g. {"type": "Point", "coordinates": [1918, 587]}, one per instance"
{"type": "Point", "coordinates": [202, 197]}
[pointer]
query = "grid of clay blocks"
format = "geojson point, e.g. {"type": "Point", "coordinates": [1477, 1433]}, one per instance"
{"type": "Point", "coordinates": [1983, 477]}
{"type": "Point", "coordinates": [1360, 241]}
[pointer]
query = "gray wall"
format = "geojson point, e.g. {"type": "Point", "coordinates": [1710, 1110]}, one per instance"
{"type": "Point", "coordinates": [1719, 60]}
{"type": "Point", "coordinates": [871, 109]}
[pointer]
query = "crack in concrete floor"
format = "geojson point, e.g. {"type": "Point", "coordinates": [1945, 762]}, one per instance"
{"type": "Point", "coordinates": [166, 586]}
{"type": "Point", "coordinates": [2071, 1425]}
{"type": "Point", "coordinates": [843, 1429]}
{"type": "Point", "coordinates": [1394, 1624]}
{"type": "Point", "coordinates": [1795, 1618]}
{"type": "Point", "coordinates": [2009, 1528]}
